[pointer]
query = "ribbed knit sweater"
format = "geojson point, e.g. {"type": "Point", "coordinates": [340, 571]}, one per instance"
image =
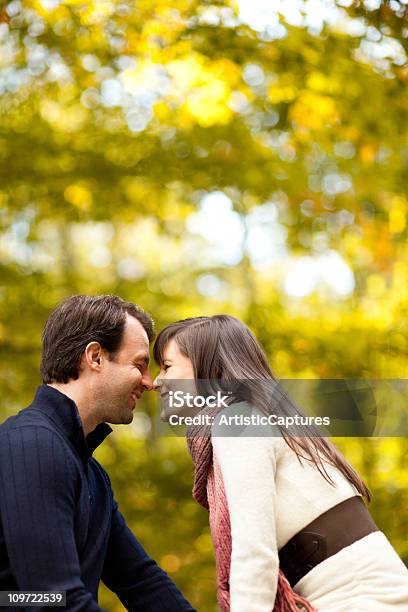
{"type": "Point", "coordinates": [61, 528]}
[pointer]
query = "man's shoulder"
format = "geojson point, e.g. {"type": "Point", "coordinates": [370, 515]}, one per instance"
{"type": "Point", "coordinates": [33, 428]}
{"type": "Point", "coordinates": [28, 417]}
{"type": "Point", "coordinates": [26, 444]}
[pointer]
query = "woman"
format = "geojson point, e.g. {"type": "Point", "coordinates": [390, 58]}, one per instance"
{"type": "Point", "coordinates": [263, 491]}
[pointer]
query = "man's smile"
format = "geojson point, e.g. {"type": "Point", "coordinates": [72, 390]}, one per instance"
{"type": "Point", "coordinates": [134, 396]}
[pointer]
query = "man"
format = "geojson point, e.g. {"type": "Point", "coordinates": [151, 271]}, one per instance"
{"type": "Point", "coordinates": [61, 529]}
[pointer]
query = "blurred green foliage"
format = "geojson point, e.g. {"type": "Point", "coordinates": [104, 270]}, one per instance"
{"type": "Point", "coordinates": [196, 163]}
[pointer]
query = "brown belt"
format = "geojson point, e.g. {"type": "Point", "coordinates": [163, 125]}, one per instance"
{"type": "Point", "coordinates": [340, 526]}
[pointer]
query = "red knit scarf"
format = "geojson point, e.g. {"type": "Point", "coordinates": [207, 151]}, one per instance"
{"type": "Point", "coordinates": [209, 491]}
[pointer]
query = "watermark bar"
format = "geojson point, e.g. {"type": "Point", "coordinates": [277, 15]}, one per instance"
{"type": "Point", "coordinates": [39, 599]}
{"type": "Point", "coordinates": [285, 407]}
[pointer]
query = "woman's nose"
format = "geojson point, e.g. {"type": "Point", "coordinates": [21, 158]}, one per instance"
{"type": "Point", "coordinates": [156, 383]}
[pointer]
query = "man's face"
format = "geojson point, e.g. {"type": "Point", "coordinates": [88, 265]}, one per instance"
{"type": "Point", "coordinates": [125, 377]}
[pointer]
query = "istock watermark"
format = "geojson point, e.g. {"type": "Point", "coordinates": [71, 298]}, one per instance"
{"type": "Point", "coordinates": [289, 407]}
{"type": "Point", "coordinates": [177, 399]}
{"type": "Point", "coordinates": [240, 420]}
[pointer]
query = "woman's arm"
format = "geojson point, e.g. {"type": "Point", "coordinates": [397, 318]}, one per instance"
{"type": "Point", "coordinates": [248, 466]}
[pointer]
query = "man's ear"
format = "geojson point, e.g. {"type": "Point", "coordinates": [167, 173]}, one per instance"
{"type": "Point", "coordinates": [93, 356]}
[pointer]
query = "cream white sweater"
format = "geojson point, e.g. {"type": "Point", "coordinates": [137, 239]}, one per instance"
{"type": "Point", "coordinates": [271, 496]}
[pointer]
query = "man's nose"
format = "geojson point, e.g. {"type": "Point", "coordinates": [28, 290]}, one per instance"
{"type": "Point", "coordinates": [147, 381]}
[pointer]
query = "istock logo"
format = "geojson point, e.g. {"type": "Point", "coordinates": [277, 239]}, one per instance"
{"type": "Point", "coordinates": [177, 399]}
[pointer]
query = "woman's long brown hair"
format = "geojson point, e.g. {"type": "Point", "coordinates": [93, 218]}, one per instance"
{"type": "Point", "coordinates": [222, 348]}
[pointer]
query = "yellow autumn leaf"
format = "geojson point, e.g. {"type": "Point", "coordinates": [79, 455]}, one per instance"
{"type": "Point", "coordinates": [314, 111]}
{"type": "Point", "coordinates": [79, 195]}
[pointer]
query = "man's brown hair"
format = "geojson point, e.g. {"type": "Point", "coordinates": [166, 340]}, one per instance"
{"type": "Point", "coordinates": [81, 319]}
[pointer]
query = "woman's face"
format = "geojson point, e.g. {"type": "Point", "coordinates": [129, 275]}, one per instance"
{"type": "Point", "coordinates": [176, 374]}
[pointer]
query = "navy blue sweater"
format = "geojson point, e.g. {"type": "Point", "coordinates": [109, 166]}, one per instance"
{"type": "Point", "coordinates": [61, 528]}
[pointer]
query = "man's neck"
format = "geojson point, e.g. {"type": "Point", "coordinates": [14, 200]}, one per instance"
{"type": "Point", "coordinates": [75, 391]}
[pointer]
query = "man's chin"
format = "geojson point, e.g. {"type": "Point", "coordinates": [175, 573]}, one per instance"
{"type": "Point", "coordinates": [127, 418]}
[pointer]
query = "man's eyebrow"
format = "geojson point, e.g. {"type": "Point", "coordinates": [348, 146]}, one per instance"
{"type": "Point", "coordinates": [144, 358]}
